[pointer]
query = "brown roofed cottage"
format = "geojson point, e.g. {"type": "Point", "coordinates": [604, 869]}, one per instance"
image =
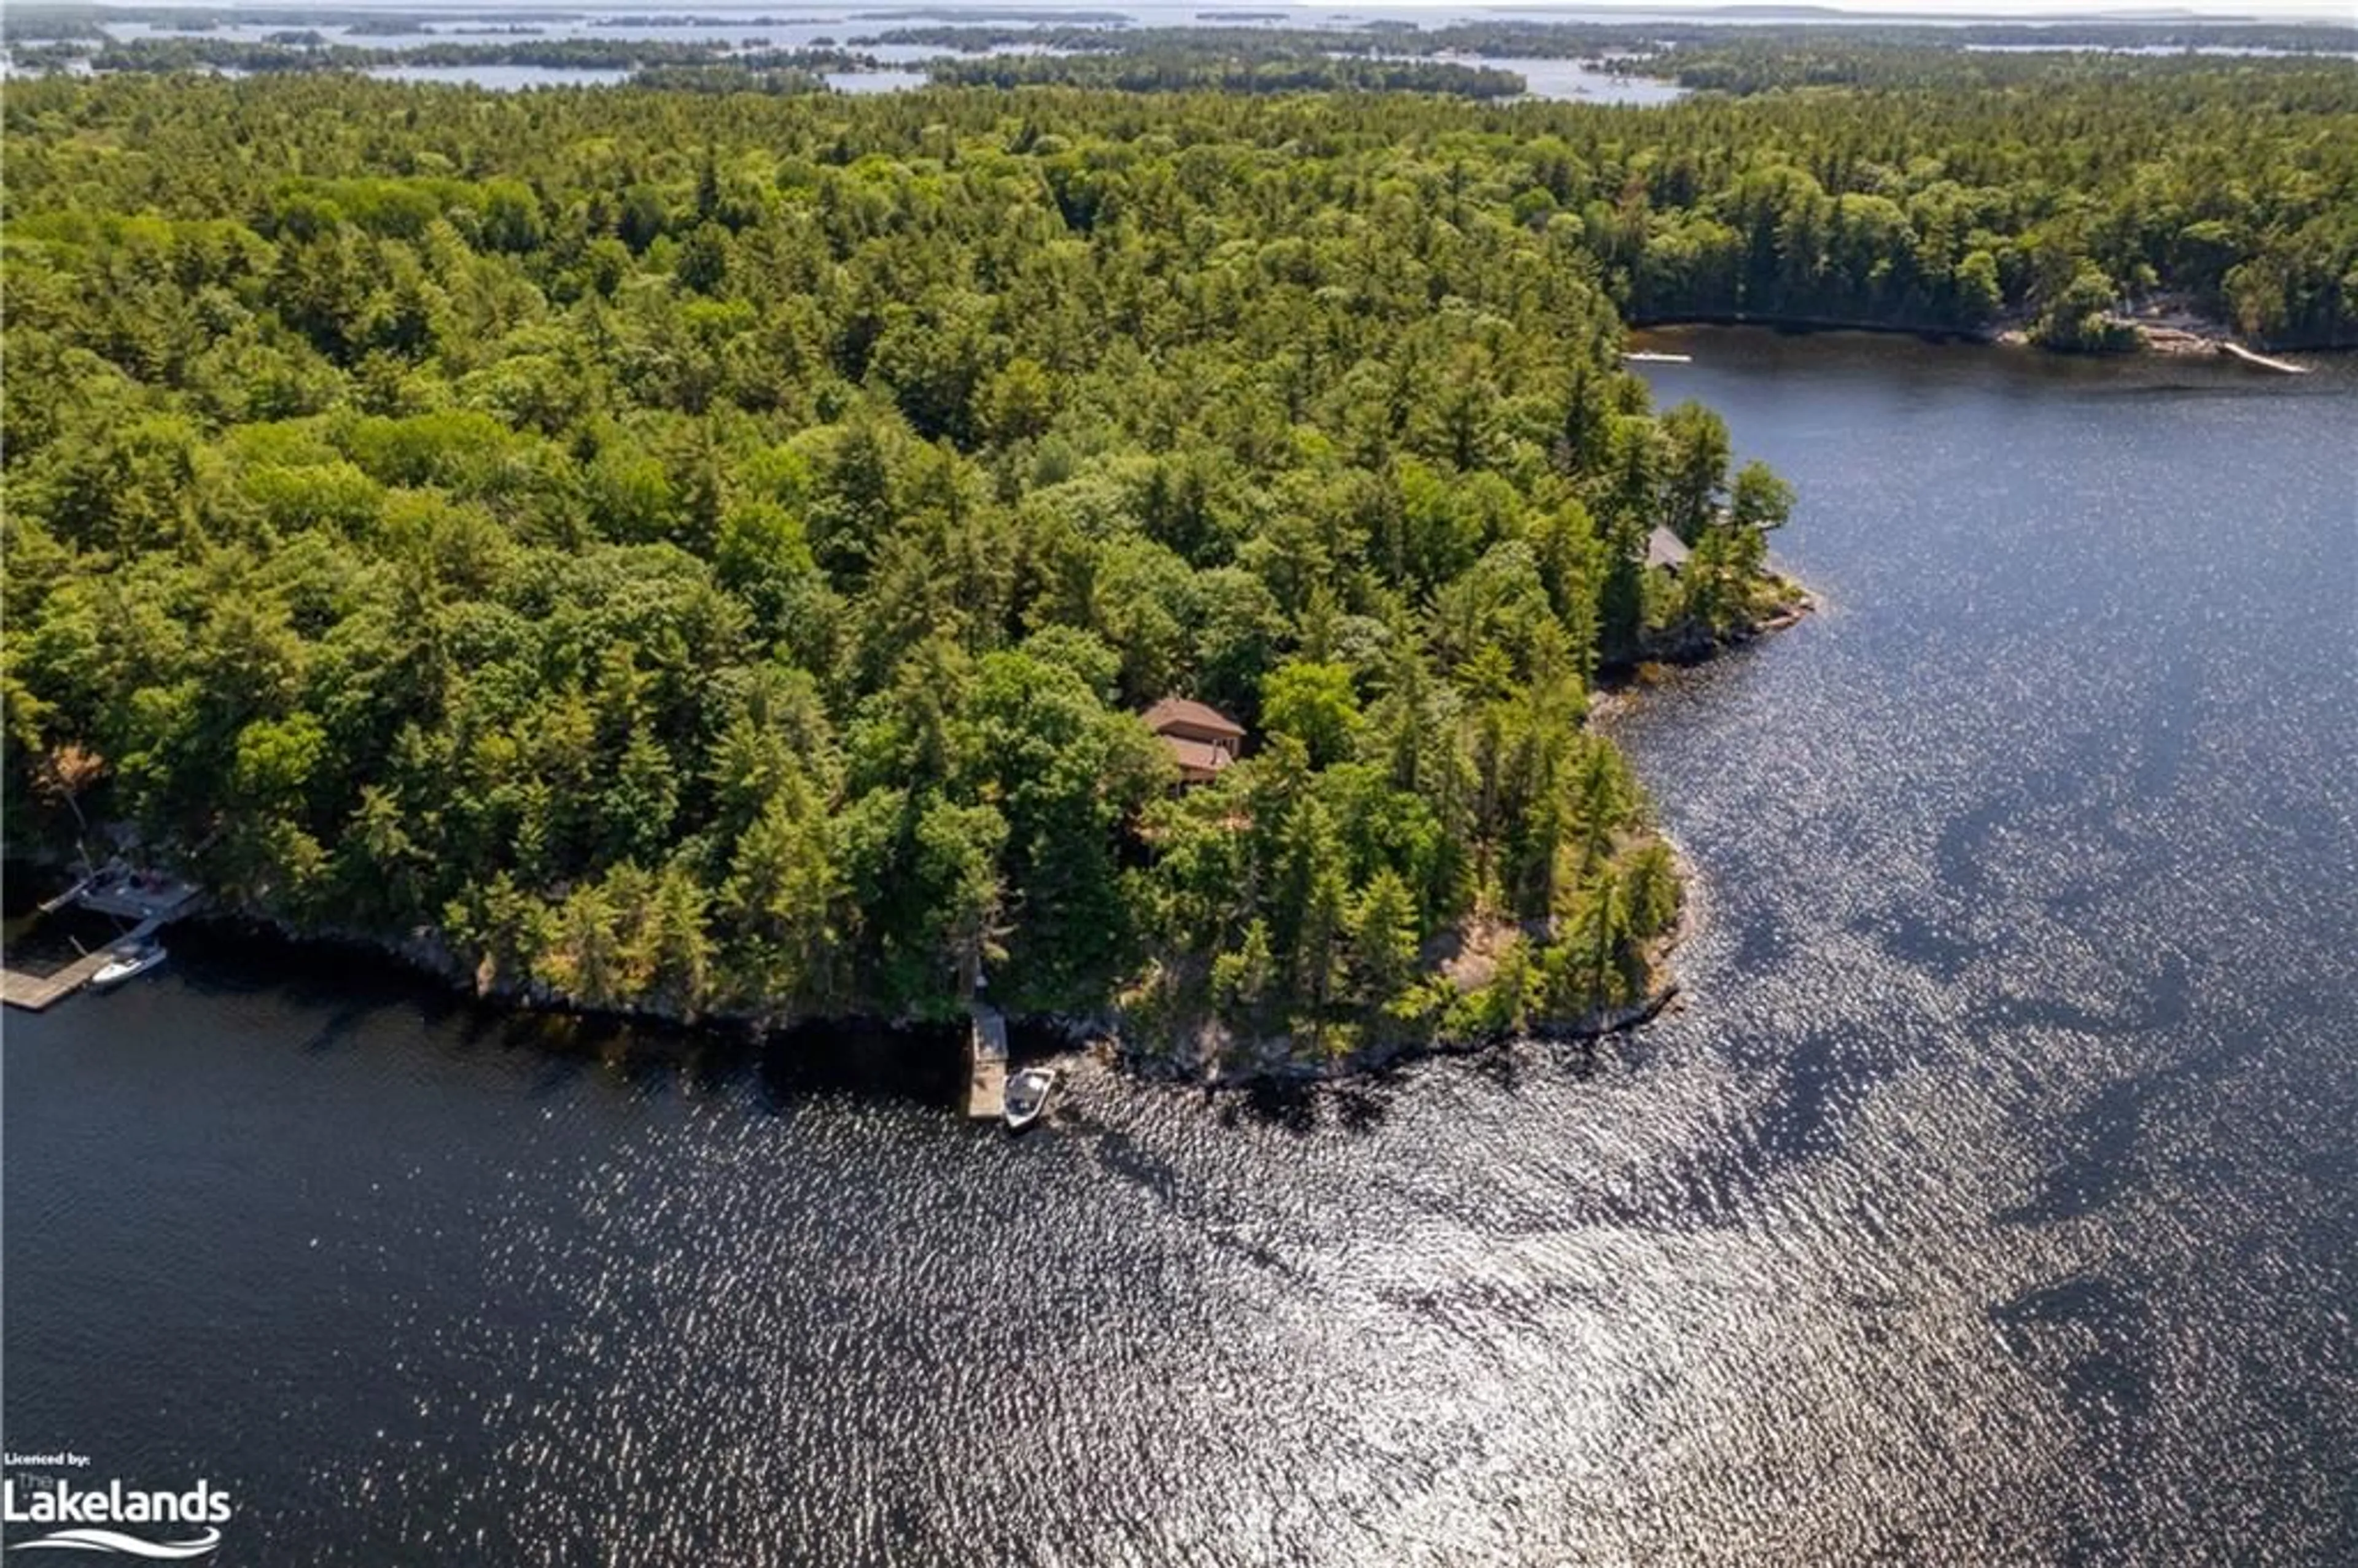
{"type": "Point", "coordinates": [1203, 741]}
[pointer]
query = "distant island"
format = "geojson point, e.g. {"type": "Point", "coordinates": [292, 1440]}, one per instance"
{"type": "Point", "coordinates": [738, 554]}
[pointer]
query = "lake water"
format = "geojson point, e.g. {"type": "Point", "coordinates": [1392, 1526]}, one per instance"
{"type": "Point", "coordinates": [1990, 1200]}
{"type": "Point", "coordinates": [803, 27]}
{"type": "Point", "coordinates": [503, 78]}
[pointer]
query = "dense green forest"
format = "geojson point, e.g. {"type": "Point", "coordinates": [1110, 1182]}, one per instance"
{"type": "Point", "coordinates": [1856, 174]}
{"type": "Point", "coordinates": [1804, 48]}
{"type": "Point", "coordinates": [2234, 185]}
{"type": "Point", "coordinates": [706, 551]}
{"type": "Point", "coordinates": [1863, 176]}
{"type": "Point", "coordinates": [709, 553]}
{"type": "Point", "coordinates": [1269, 65]}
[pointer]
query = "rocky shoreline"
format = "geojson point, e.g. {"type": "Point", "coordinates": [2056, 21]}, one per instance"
{"type": "Point", "coordinates": [1214, 1059]}
{"type": "Point", "coordinates": [2164, 326]}
{"type": "Point", "coordinates": [2174, 335]}
{"type": "Point", "coordinates": [1692, 642]}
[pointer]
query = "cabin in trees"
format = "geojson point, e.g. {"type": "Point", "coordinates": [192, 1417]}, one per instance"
{"type": "Point", "coordinates": [1203, 741]}
{"type": "Point", "coordinates": [1666, 550]}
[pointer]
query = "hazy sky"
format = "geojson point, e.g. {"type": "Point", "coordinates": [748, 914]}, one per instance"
{"type": "Point", "coordinates": [2344, 11]}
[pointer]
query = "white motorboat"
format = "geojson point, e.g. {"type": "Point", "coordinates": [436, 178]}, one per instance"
{"type": "Point", "coordinates": [1027, 1095]}
{"type": "Point", "coordinates": [128, 963]}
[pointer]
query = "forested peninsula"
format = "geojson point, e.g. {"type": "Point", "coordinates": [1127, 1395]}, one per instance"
{"type": "Point", "coordinates": [711, 555]}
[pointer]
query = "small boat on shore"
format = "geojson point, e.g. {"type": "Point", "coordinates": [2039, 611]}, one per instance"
{"type": "Point", "coordinates": [128, 964]}
{"type": "Point", "coordinates": [1027, 1095]}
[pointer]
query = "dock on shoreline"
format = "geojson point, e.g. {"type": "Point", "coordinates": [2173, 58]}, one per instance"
{"type": "Point", "coordinates": [2262, 360]}
{"type": "Point", "coordinates": [37, 993]}
{"type": "Point", "coordinates": [151, 900]}
{"type": "Point", "coordinates": [986, 1056]}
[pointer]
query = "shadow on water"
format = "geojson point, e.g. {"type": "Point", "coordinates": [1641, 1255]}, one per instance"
{"type": "Point", "coordinates": [2165, 734]}
{"type": "Point", "coordinates": [1814, 1087]}
{"type": "Point", "coordinates": [2164, 1003]}
{"type": "Point", "coordinates": [1502, 1067]}
{"type": "Point", "coordinates": [923, 1065]}
{"type": "Point", "coordinates": [24, 884]}
{"type": "Point", "coordinates": [2097, 1165]}
{"type": "Point", "coordinates": [341, 989]}
{"type": "Point", "coordinates": [1912, 939]}
{"type": "Point", "coordinates": [43, 943]}
{"type": "Point", "coordinates": [2088, 1336]}
{"type": "Point", "coordinates": [1294, 1107]}
{"type": "Point", "coordinates": [1761, 944]}
{"type": "Point", "coordinates": [1360, 1108]}
{"type": "Point", "coordinates": [1825, 1077]}
{"type": "Point", "coordinates": [2099, 1159]}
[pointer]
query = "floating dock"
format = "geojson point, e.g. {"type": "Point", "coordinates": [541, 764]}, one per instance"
{"type": "Point", "coordinates": [21, 988]}
{"type": "Point", "coordinates": [155, 898]}
{"type": "Point", "coordinates": [986, 1058]}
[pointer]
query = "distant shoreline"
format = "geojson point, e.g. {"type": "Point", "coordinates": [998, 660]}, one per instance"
{"type": "Point", "coordinates": [2175, 336]}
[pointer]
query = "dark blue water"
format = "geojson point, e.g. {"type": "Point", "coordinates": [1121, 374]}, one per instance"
{"type": "Point", "coordinates": [1990, 1200]}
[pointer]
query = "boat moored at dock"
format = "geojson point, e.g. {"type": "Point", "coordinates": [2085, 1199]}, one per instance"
{"type": "Point", "coordinates": [128, 963]}
{"type": "Point", "coordinates": [1027, 1095]}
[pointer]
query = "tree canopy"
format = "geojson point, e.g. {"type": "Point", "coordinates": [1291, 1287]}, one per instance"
{"type": "Point", "coordinates": [706, 551]}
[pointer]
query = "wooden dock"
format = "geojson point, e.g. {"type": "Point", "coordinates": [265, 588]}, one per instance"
{"type": "Point", "coordinates": [2263, 361]}
{"type": "Point", "coordinates": [21, 988]}
{"type": "Point", "coordinates": [986, 1057]}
